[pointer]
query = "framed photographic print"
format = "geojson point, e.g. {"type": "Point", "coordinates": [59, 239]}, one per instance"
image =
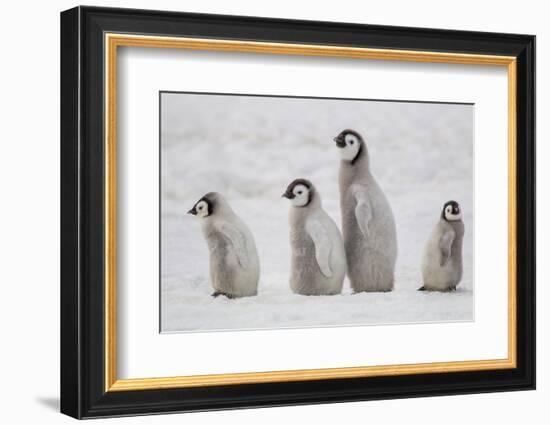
{"type": "Point", "coordinates": [261, 212]}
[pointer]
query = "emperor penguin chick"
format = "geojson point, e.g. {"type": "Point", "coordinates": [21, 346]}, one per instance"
{"type": "Point", "coordinates": [318, 257]}
{"type": "Point", "coordinates": [442, 262]}
{"type": "Point", "coordinates": [368, 224]}
{"type": "Point", "coordinates": [234, 263]}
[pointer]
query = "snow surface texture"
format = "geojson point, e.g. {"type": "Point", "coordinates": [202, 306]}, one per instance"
{"type": "Point", "coordinates": [250, 148]}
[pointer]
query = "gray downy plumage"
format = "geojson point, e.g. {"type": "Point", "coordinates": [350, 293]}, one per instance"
{"type": "Point", "coordinates": [234, 262]}
{"type": "Point", "coordinates": [442, 260]}
{"type": "Point", "coordinates": [318, 264]}
{"type": "Point", "coordinates": [368, 224]}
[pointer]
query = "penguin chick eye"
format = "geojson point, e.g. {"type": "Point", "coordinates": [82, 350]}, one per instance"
{"type": "Point", "coordinates": [351, 139]}
{"type": "Point", "coordinates": [301, 196]}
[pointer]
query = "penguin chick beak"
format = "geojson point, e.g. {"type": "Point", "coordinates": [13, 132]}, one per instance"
{"type": "Point", "coordinates": [287, 195]}
{"type": "Point", "coordinates": [340, 141]}
{"type": "Point", "coordinates": [192, 211]}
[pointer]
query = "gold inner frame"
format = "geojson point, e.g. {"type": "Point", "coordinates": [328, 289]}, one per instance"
{"type": "Point", "coordinates": [113, 41]}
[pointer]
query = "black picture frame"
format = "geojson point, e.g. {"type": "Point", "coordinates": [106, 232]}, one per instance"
{"type": "Point", "coordinates": [83, 392]}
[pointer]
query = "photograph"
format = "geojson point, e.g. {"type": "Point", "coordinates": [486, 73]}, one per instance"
{"type": "Point", "coordinates": [282, 212]}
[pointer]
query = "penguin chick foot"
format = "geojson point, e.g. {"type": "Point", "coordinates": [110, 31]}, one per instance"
{"type": "Point", "coordinates": [217, 294]}
{"type": "Point", "coordinates": [450, 289]}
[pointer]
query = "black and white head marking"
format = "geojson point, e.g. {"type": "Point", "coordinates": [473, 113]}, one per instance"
{"type": "Point", "coordinates": [203, 208]}
{"type": "Point", "coordinates": [299, 192]}
{"type": "Point", "coordinates": [451, 211]}
{"type": "Point", "coordinates": [350, 144]}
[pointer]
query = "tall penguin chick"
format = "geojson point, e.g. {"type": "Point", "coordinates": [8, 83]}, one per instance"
{"type": "Point", "coordinates": [318, 265]}
{"type": "Point", "coordinates": [234, 264]}
{"type": "Point", "coordinates": [368, 224]}
{"type": "Point", "coordinates": [442, 262]}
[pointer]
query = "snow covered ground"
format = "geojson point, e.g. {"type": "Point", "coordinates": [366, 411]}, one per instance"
{"type": "Point", "coordinates": [250, 148]}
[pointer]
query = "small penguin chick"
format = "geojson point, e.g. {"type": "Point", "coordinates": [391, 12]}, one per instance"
{"type": "Point", "coordinates": [350, 143]}
{"type": "Point", "coordinates": [318, 262]}
{"type": "Point", "coordinates": [234, 263]}
{"type": "Point", "coordinates": [442, 261]}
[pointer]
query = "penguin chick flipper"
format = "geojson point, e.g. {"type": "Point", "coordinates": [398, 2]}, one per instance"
{"type": "Point", "coordinates": [363, 210]}
{"type": "Point", "coordinates": [238, 241]}
{"type": "Point", "coordinates": [322, 243]}
{"type": "Point", "coordinates": [445, 246]}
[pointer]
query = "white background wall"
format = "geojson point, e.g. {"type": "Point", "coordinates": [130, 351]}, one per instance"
{"type": "Point", "coordinates": [29, 208]}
